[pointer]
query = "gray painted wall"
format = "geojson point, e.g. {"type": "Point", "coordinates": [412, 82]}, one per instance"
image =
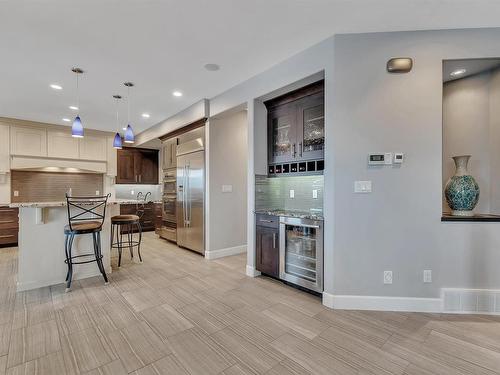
{"type": "Point", "coordinates": [228, 166]}
{"type": "Point", "coordinates": [398, 227]}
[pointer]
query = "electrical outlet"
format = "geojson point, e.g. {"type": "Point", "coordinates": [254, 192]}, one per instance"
{"type": "Point", "coordinates": [16, 193]}
{"type": "Point", "coordinates": [227, 188]}
{"type": "Point", "coordinates": [97, 192]}
{"type": "Point", "coordinates": [132, 192]}
{"type": "Point", "coordinates": [292, 193]}
{"type": "Point", "coordinates": [315, 194]}
{"type": "Point", "coordinates": [427, 276]}
{"type": "Point", "coordinates": [387, 277]}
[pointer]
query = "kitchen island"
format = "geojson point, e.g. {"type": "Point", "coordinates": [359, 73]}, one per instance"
{"type": "Point", "coordinates": [41, 244]}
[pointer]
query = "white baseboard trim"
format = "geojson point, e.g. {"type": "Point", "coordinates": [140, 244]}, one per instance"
{"type": "Point", "coordinates": [382, 303]}
{"type": "Point", "coordinates": [21, 287]}
{"type": "Point", "coordinates": [252, 272]}
{"type": "Point", "coordinates": [220, 253]}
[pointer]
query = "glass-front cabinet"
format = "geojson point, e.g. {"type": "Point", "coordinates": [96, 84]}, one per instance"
{"type": "Point", "coordinates": [311, 119]}
{"type": "Point", "coordinates": [296, 126]}
{"type": "Point", "coordinates": [301, 252]}
{"type": "Point", "coordinates": [282, 122]}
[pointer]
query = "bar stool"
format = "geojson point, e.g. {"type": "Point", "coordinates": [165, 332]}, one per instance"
{"type": "Point", "coordinates": [126, 223]}
{"type": "Point", "coordinates": [85, 216]}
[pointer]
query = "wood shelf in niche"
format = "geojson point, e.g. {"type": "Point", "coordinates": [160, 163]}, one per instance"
{"type": "Point", "coordinates": [476, 218]}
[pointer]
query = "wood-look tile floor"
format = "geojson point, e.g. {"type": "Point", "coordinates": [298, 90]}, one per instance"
{"type": "Point", "coordinates": [179, 314]}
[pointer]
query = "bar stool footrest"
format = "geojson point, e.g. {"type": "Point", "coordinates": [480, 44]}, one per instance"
{"type": "Point", "coordinates": [94, 258]}
{"type": "Point", "coordinates": [125, 244]}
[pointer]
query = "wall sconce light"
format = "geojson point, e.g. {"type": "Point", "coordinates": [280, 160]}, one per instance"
{"type": "Point", "coordinates": [399, 65]}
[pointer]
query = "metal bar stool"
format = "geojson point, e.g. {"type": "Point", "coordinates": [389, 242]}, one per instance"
{"type": "Point", "coordinates": [85, 216]}
{"type": "Point", "coordinates": [125, 224]}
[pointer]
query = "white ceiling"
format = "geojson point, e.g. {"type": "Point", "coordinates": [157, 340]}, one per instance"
{"type": "Point", "coordinates": [162, 46]}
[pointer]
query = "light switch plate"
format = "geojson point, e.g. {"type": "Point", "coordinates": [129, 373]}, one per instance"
{"type": "Point", "coordinates": [16, 193]}
{"type": "Point", "coordinates": [292, 193]}
{"type": "Point", "coordinates": [362, 186]}
{"type": "Point", "coordinates": [97, 192]}
{"type": "Point", "coordinates": [227, 188]}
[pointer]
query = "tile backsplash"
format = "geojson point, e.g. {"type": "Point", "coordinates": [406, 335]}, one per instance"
{"type": "Point", "coordinates": [126, 191]}
{"type": "Point", "coordinates": [274, 193]}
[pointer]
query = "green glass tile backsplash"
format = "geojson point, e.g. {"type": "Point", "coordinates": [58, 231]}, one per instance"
{"type": "Point", "coordinates": [274, 193]}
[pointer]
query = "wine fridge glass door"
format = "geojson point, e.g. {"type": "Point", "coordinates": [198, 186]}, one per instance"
{"type": "Point", "coordinates": [302, 254]}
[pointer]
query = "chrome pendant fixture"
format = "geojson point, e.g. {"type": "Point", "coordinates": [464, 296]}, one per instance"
{"type": "Point", "coordinates": [129, 132]}
{"type": "Point", "coordinates": [117, 141]}
{"type": "Point", "coordinates": [77, 128]}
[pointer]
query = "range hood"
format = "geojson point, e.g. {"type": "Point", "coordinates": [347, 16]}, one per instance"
{"type": "Point", "coordinates": [26, 163]}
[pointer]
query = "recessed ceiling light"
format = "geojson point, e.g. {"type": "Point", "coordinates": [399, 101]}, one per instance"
{"type": "Point", "coordinates": [66, 119]}
{"type": "Point", "coordinates": [458, 72]}
{"type": "Point", "coordinates": [73, 107]}
{"type": "Point", "coordinates": [177, 93]}
{"type": "Point", "coordinates": [55, 86]}
{"type": "Point", "coordinates": [145, 115]}
{"type": "Point", "coordinates": [124, 128]}
{"type": "Point", "coordinates": [212, 67]}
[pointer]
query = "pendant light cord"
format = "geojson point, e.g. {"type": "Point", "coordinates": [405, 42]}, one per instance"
{"type": "Point", "coordinates": [128, 105]}
{"type": "Point", "coordinates": [77, 96]}
{"type": "Point", "coordinates": [117, 122]}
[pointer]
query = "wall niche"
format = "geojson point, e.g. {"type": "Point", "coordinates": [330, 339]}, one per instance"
{"type": "Point", "coordinates": [471, 126]}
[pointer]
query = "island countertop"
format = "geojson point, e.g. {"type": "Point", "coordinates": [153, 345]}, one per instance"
{"type": "Point", "coordinates": [63, 203]}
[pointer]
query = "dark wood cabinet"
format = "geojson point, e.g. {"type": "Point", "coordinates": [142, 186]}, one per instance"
{"type": "Point", "coordinates": [137, 166]}
{"type": "Point", "coordinates": [158, 215]}
{"type": "Point", "coordinates": [296, 125]}
{"type": "Point", "coordinates": [149, 219]}
{"type": "Point", "coordinates": [126, 171]}
{"type": "Point", "coordinates": [9, 226]}
{"type": "Point", "coordinates": [267, 245]}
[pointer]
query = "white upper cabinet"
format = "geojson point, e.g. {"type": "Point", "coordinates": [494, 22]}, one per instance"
{"type": "Point", "coordinates": [111, 158]}
{"type": "Point", "coordinates": [28, 141]}
{"type": "Point", "coordinates": [60, 144]}
{"type": "Point", "coordinates": [169, 153]}
{"type": "Point", "coordinates": [4, 148]}
{"type": "Point", "coordinates": [93, 148]}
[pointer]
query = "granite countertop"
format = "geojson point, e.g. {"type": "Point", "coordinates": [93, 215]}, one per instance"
{"type": "Point", "coordinates": [63, 203]}
{"type": "Point", "coordinates": [292, 213]}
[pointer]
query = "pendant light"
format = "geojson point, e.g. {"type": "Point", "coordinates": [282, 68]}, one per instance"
{"type": "Point", "coordinates": [117, 142]}
{"type": "Point", "coordinates": [77, 128]}
{"type": "Point", "coordinates": [129, 133]}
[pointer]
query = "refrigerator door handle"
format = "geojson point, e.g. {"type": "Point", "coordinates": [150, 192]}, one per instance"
{"type": "Point", "coordinates": [185, 196]}
{"type": "Point", "coordinates": [188, 198]}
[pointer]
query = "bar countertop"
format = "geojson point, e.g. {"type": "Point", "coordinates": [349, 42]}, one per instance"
{"type": "Point", "coordinates": [63, 203]}
{"type": "Point", "coordinates": [291, 213]}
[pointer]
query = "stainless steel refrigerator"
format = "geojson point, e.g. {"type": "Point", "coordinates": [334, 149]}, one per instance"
{"type": "Point", "coordinates": [191, 195]}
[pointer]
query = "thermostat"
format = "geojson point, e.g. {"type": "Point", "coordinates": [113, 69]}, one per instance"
{"type": "Point", "coordinates": [382, 158]}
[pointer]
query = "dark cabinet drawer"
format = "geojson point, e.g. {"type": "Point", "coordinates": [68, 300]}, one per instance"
{"type": "Point", "coordinates": [9, 226]}
{"type": "Point", "coordinates": [269, 221]}
{"type": "Point", "coordinates": [8, 237]}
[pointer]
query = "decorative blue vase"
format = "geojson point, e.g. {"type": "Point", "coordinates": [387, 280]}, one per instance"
{"type": "Point", "coordinates": [462, 191]}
